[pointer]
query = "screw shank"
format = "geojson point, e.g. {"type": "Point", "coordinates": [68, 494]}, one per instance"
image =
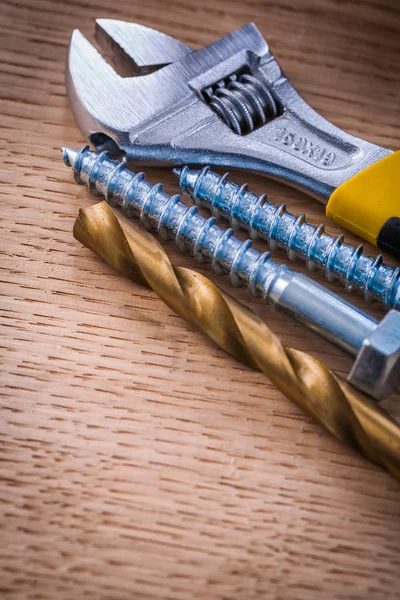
{"type": "Point", "coordinates": [321, 311]}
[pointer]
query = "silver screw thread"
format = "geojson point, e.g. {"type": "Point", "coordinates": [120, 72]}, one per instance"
{"type": "Point", "coordinates": [299, 297]}
{"type": "Point", "coordinates": [300, 239]}
{"type": "Point", "coordinates": [173, 220]}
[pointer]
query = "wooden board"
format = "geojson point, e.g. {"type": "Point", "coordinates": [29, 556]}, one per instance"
{"type": "Point", "coordinates": [139, 461]}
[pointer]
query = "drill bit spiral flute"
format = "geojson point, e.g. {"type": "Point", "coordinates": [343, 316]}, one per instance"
{"type": "Point", "coordinates": [375, 345]}
{"type": "Point", "coordinates": [352, 417]}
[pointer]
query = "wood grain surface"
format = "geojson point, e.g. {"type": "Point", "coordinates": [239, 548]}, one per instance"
{"type": "Point", "coordinates": [137, 459]}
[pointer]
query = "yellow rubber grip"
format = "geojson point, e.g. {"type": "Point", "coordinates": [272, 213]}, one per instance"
{"type": "Point", "coordinates": [364, 203]}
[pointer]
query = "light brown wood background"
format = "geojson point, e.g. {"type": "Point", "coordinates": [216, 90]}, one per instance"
{"type": "Point", "coordinates": [137, 460]}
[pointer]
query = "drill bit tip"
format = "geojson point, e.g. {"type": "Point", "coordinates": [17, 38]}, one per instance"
{"type": "Point", "coordinates": [177, 171]}
{"type": "Point", "coordinates": [69, 156]}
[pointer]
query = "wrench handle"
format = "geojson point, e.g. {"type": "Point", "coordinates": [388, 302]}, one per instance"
{"type": "Point", "coordinates": [368, 204]}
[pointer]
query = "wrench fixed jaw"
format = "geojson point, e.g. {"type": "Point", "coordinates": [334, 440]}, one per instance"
{"type": "Point", "coordinates": [226, 104]}
{"type": "Point", "coordinates": [90, 109]}
{"type": "Point", "coordinates": [135, 50]}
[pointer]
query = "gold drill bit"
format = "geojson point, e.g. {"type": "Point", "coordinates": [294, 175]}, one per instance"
{"type": "Point", "coordinates": [351, 416]}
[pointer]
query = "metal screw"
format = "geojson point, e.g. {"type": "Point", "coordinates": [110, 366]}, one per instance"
{"type": "Point", "coordinates": [295, 294]}
{"type": "Point", "coordinates": [294, 234]}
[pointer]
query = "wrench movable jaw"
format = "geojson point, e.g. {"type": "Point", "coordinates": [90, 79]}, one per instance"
{"type": "Point", "coordinates": [138, 50]}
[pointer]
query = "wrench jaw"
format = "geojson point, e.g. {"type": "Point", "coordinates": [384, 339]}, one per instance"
{"type": "Point", "coordinates": [167, 115]}
{"type": "Point", "coordinates": [124, 108]}
{"type": "Point", "coordinates": [136, 49]}
{"type": "Point", "coordinates": [89, 79]}
{"type": "Point", "coordinates": [104, 103]}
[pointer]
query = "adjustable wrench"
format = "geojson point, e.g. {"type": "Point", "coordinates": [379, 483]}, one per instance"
{"type": "Point", "coordinates": [229, 104]}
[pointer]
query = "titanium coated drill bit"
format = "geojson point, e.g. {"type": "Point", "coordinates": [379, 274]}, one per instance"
{"type": "Point", "coordinates": [350, 416]}
{"type": "Point", "coordinates": [294, 294]}
{"type": "Point", "coordinates": [300, 239]}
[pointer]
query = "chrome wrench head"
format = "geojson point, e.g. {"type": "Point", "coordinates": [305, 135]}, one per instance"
{"type": "Point", "coordinates": [228, 104]}
{"type": "Point", "coordinates": [104, 102]}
